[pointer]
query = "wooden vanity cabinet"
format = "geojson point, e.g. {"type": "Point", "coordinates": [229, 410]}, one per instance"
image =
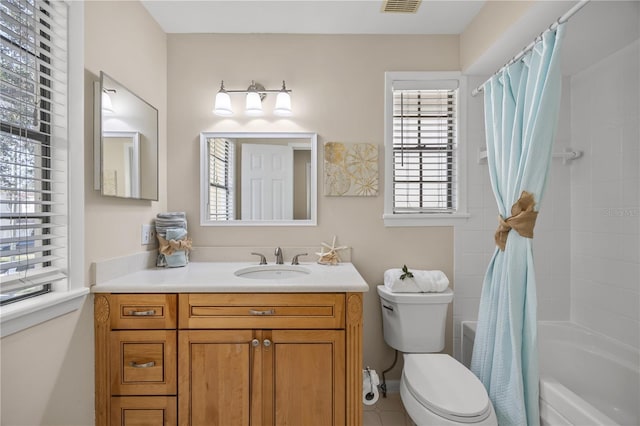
{"type": "Point", "coordinates": [253, 359]}
{"type": "Point", "coordinates": [278, 359]}
{"type": "Point", "coordinates": [136, 359]}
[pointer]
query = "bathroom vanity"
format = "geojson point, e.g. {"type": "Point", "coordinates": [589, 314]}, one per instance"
{"type": "Point", "coordinates": [202, 345]}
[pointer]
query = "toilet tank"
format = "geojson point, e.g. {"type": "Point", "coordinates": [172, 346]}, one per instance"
{"type": "Point", "coordinates": [414, 322]}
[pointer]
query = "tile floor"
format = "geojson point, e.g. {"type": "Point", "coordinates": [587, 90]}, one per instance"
{"type": "Point", "coordinates": [387, 411]}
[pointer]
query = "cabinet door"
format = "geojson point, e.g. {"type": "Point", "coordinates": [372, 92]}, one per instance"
{"type": "Point", "coordinates": [215, 377]}
{"type": "Point", "coordinates": [304, 377]}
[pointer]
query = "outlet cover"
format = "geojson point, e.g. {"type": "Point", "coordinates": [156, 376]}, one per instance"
{"type": "Point", "coordinates": [146, 234]}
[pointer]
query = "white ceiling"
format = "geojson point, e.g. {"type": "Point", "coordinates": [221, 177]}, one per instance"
{"type": "Point", "coordinates": [310, 16]}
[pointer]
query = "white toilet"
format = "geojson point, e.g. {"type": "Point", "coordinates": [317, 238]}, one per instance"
{"type": "Point", "coordinates": [435, 388]}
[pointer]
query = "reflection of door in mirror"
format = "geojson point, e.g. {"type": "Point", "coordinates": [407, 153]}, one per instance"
{"type": "Point", "coordinates": [121, 159]}
{"type": "Point", "coordinates": [267, 182]}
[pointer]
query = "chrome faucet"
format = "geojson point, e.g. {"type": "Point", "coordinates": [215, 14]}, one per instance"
{"type": "Point", "coordinates": [278, 254]}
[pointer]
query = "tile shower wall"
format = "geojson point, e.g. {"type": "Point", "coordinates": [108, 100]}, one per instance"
{"type": "Point", "coordinates": [473, 240]}
{"type": "Point", "coordinates": [605, 216]}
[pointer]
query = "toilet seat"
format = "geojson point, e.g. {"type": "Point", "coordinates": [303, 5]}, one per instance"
{"type": "Point", "coordinates": [445, 387]}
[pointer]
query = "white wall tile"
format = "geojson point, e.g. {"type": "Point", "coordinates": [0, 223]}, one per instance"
{"type": "Point", "coordinates": [605, 218]}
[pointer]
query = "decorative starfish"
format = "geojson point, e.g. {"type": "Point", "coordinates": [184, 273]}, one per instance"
{"type": "Point", "coordinates": [330, 257]}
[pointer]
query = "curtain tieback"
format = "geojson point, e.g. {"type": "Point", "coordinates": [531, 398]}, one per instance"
{"type": "Point", "coordinates": [522, 219]}
{"type": "Point", "coordinates": [169, 247]}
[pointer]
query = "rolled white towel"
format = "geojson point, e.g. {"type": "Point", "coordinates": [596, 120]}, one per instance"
{"type": "Point", "coordinates": [422, 281]}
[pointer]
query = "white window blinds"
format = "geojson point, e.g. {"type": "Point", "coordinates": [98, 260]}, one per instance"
{"type": "Point", "coordinates": [221, 176]}
{"type": "Point", "coordinates": [33, 147]}
{"type": "Point", "coordinates": [424, 150]}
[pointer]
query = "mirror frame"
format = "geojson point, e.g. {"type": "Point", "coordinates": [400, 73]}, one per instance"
{"type": "Point", "coordinates": [98, 139]}
{"type": "Point", "coordinates": [204, 178]}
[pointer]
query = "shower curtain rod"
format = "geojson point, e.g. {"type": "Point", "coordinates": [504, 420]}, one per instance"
{"type": "Point", "coordinates": [561, 20]}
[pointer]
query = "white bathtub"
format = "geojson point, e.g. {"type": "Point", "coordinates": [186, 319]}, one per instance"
{"type": "Point", "coordinates": [585, 377]}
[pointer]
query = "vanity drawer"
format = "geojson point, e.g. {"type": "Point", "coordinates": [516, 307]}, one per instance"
{"type": "Point", "coordinates": [144, 410]}
{"type": "Point", "coordinates": [143, 311]}
{"type": "Point", "coordinates": [143, 362]}
{"type": "Point", "coordinates": [285, 310]}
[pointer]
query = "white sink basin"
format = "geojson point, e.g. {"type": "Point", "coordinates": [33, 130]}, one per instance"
{"type": "Point", "coordinates": [272, 272]}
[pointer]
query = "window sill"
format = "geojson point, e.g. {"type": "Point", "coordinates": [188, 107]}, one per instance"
{"type": "Point", "coordinates": [27, 313]}
{"type": "Point", "coordinates": [436, 219]}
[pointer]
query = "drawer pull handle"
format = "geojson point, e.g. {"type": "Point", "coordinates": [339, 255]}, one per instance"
{"type": "Point", "coordinates": [269, 312]}
{"type": "Point", "coordinates": [148, 313]}
{"type": "Point", "coordinates": [388, 308]}
{"type": "Point", "coordinates": [145, 365]}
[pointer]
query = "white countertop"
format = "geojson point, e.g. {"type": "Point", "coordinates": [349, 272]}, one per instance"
{"type": "Point", "coordinates": [218, 277]}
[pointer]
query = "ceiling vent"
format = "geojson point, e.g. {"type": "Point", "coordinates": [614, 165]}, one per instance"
{"type": "Point", "coordinates": [401, 6]}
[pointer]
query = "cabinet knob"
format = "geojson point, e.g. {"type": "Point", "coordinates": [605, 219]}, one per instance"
{"type": "Point", "coordinates": [266, 343]}
{"type": "Point", "coordinates": [255, 343]}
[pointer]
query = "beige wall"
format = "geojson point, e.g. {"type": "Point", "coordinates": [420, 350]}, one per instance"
{"type": "Point", "coordinates": [338, 92]}
{"type": "Point", "coordinates": [494, 19]}
{"type": "Point", "coordinates": [122, 40]}
{"type": "Point", "coordinates": [47, 371]}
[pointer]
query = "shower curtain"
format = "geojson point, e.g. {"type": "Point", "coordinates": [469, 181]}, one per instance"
{"type": "Point", "coordinates": [521, 115]}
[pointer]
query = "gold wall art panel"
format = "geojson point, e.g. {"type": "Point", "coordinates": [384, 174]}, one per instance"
{"type": "Point", "coordinates": [350, 169]}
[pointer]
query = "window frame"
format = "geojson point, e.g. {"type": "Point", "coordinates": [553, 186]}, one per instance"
{"type": "Point", "coordinates": [68, 296]}
{"type": "Point", "coordinates": [425, 219]}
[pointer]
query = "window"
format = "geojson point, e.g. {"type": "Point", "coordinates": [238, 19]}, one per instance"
{"type": "Point", "coordinates": [36, 192]}
{"type": "Point", "coordinates": [221, 161]}
{"type": "Point", "coordinates": [424, 167]}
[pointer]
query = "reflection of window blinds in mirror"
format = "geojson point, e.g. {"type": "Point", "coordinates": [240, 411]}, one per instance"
{"type": "Point", "coordinates": [221, 206]}
{"type": "Point", "coordinates": [424, 151]}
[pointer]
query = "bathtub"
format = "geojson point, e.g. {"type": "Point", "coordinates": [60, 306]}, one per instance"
{"type": "Point", "coordinates": [585, 377]}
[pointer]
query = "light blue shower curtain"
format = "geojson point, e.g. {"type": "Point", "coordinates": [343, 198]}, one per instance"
{"type": "Point", "coordinates": [521, 115]}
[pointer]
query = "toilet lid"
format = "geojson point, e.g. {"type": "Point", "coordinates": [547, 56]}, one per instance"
{"type": "Point", "coordinates": [446, 387]}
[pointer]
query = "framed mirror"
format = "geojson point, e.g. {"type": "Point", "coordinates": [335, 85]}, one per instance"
{"type": "Point", "coordinates": [258, 179]}
{"type": "Point", "coordinates": [126, 142]}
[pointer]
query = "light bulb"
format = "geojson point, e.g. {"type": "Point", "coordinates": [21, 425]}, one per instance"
{"type": "Point", "coordinates": [254, 104]}
{"type": "Point", "coordinates": [283, 104]}
{"type": "Point", "coordinates": [223, 104]}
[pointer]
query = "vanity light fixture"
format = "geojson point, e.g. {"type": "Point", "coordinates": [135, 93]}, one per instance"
{"type": "Point", "coordinates": [223, 103]}
{"type": "Point", "coordinates": [107, 105]}
{"type": "Point", "coordinates": [253, 103]}
{"type": "Point", "coordinates": [253, 106]}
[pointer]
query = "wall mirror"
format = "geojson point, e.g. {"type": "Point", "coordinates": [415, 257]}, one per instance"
{"type": "Point", "coordinates": [126, 142]}
{"type": "Point", "coordinates": [258, 179]}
